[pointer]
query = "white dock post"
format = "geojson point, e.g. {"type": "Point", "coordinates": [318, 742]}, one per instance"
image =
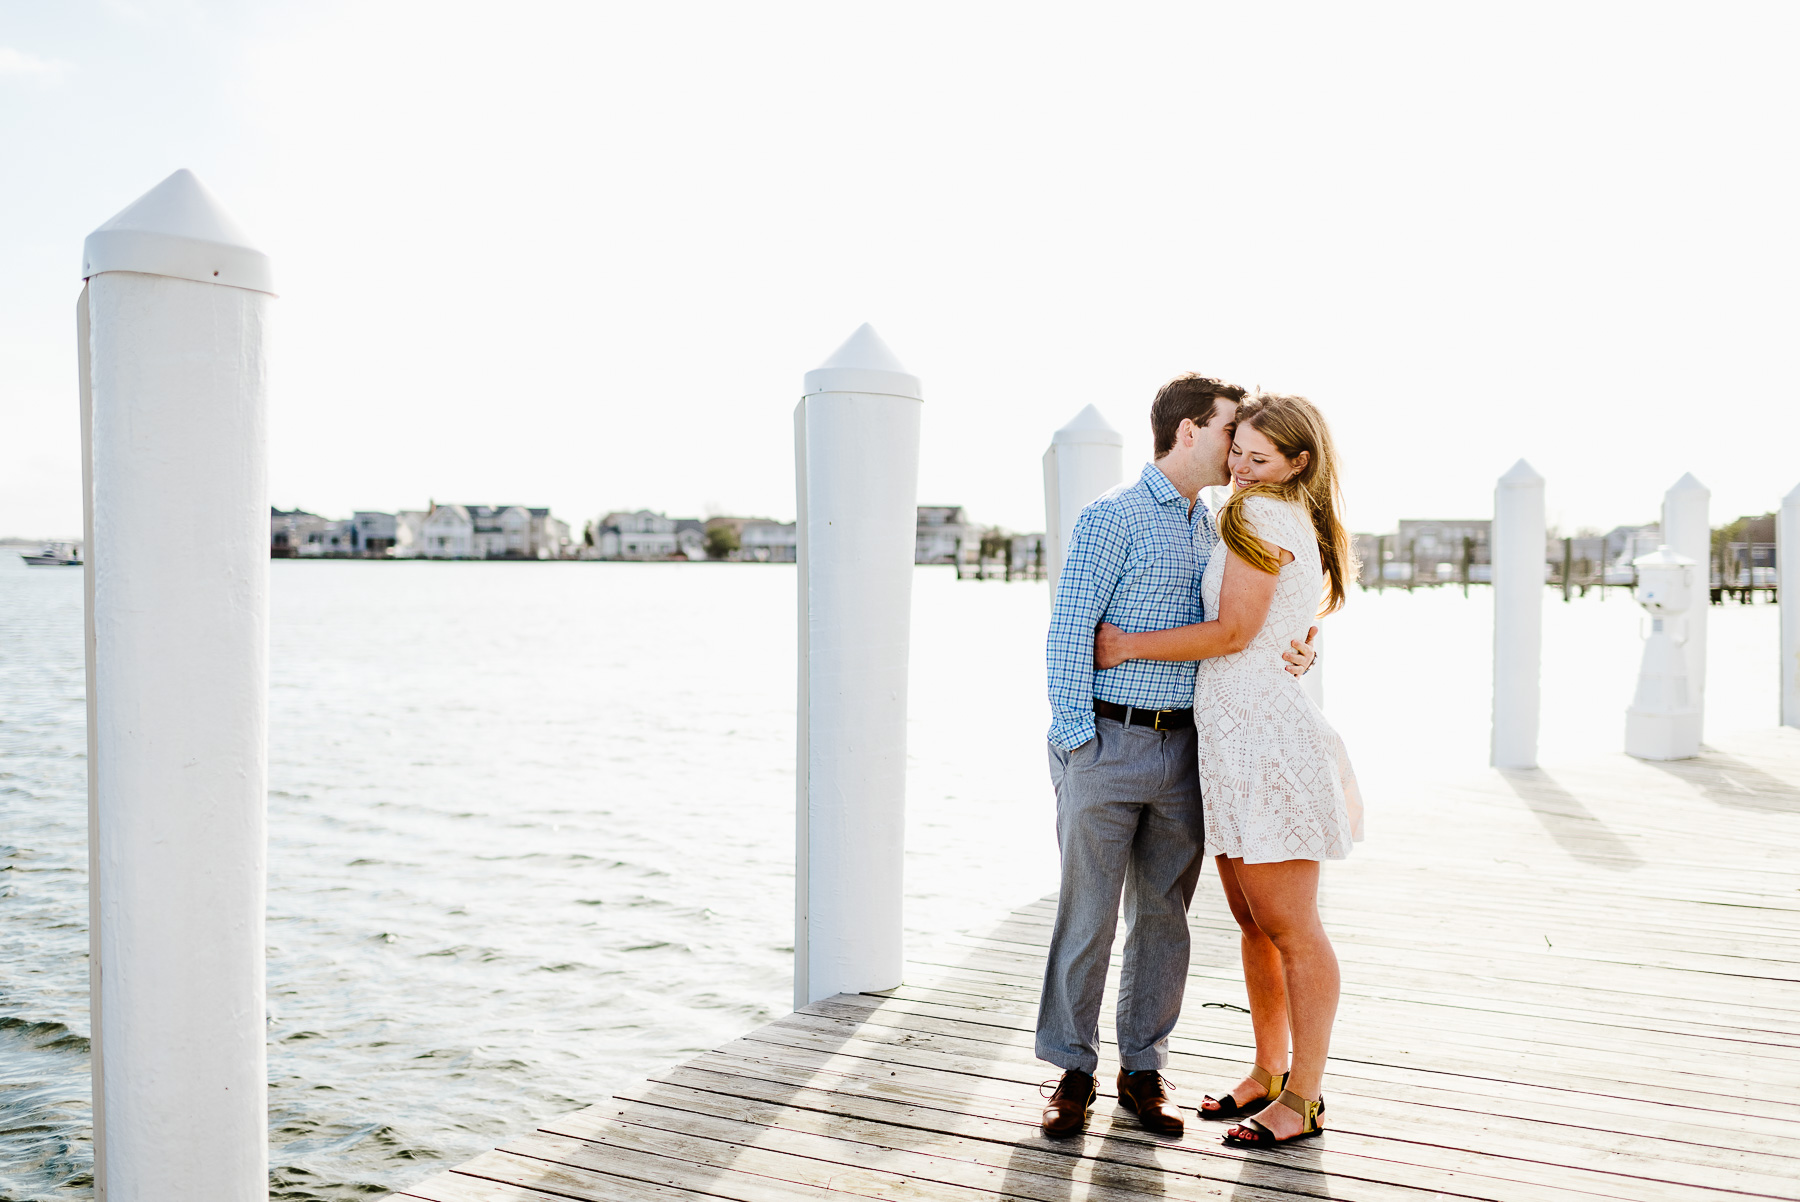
{"type": "Point", "coordinates": [1787, 595]}
{"type": "Point", "coordinates": [1085, 458]}
{"type": "Point", "coordinates": [1687, 530]}
{"type": "Point", "coordinates": [174, 315]}
{"type": "Point", "coordinates": [856, 459]}
{"type": "Point", "coordinates": [1518, 555]}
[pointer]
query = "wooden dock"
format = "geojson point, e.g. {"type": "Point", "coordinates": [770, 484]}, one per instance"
{"type": "Point", "coordinates": [1575, 983]}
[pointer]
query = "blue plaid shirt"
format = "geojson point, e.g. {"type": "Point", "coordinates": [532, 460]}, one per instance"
{"type": "Point", "coordinates": [1135, 560]}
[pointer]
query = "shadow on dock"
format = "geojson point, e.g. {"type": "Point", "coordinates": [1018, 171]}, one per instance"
{"type": "Point", "coordinates": [1732, 782]}
{"type": "Point", "coordinates": [1573, 826]}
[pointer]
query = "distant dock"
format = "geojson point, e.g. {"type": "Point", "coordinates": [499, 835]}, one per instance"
{"type": "Point", "coordinates": [1573, 983]}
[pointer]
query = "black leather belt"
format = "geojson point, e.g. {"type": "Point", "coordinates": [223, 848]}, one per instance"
{"type": "Point", "coordinates": [1132, 715]}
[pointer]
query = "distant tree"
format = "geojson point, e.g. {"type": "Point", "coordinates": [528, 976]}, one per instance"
{"type": "Point", "coordinates": [1730, 532]}
{"type": "Point", "coordinates": [994, 542]}
{"type": "Point", "coordinates": [587, 535]}
{"type": "Point", "coordinates": [721, 541]}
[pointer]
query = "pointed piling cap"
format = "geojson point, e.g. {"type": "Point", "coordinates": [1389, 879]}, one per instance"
{"type": "Point", "coordinates": [1687, 483]}
{"type": "Point", "coordinates": [178, 229]}
{"type": "Point", "coordinates": [1088, 426]}
{"type": "Point", "coordinates": [1793, 497]}
{"type": "Point", "coordinates": [863, 364]}
{"type": "Point", "coordinates": [1521, 475]}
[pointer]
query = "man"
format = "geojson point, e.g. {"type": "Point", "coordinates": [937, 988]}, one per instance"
{"type": "Point", "coordinates": [1123, 760]}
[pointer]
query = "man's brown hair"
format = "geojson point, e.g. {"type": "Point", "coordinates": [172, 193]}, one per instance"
{"type": "Point", "coordinates": [1189, 398]}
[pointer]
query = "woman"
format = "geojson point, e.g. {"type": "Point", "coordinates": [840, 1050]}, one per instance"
{"type": "Point", "coordinates": [1280, 796]}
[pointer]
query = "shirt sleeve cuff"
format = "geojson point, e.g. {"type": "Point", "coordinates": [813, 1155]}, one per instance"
{"type": "Point", "coordinates": [1070, 731]}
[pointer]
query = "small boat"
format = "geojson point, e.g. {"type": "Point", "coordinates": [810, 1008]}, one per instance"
{"type": "Point", "coordinates": [55, 555]}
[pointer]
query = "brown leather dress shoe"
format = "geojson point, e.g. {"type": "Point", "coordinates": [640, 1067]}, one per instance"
{"type": "Point", "coordinates": [1146, 1095]}
{"type": "Point", "coordinates": [1067, 1110]}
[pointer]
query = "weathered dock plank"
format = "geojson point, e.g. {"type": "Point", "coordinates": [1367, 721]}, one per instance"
{"type": "Point", "coordinates": [1574, 984]}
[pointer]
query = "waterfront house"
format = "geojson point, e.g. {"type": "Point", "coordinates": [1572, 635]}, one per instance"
{"type": "Point", "coordinates": [1434, 549]}
{"type": "Point", "coordinates": [295, 533]}
{"type": "Point", "coordinates": [1623, 544]}
{"type": "Point", "coordinates": [750, 540]}
{"type": "Point", "coordinates": [372, 534]}
{"type": "Point", "coordinates": [1426, 550]}
{"type": "Point", "coordinates": [763, 541]}
{"type": "Point", "coordinates": [550, 536]}
{"type": "Point", "coordinates": [448, 532]}
{"type": "Point", "coordinates": [291, 531]}
{"type": "Point", "coordinates": [1744, 554]}
{"type": "Point", "coordinates": [480, 532]}
{"type": "Point", "coordinates": [499, 532]}
{"type": "Point", "coordinates": [690, 538]}
{"type": "Point", "coordinates": [641, 534]}
{"type": "Point", "coordinates": [1028, 553]}
{"type": "Point", "coordinates": [409, 534]}
{"type": "Point", "coordinates": [941, 529]}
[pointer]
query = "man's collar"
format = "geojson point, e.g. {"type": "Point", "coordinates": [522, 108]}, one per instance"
{"type": "Point", "coordinates": [1159, 486]}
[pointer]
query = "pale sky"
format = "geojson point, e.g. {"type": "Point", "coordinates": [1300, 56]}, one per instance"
{"type": "Point", "coordinates": [582, 254]}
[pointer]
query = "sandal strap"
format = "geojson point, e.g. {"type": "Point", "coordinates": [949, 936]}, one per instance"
{"type": "Point", "coordinates": [1260, 1136]}
{"type": "Point", "coordinates": [1272, 1083]}
{"type": "Point", "coordinates": [1306, 1108]}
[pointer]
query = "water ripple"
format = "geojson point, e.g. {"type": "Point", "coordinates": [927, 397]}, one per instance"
{"type": "Point", "coordinates": [530, 835]}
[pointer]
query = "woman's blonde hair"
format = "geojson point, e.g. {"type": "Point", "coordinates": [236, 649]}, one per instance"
{"type": "Point", "coordinates": [1294, 424]}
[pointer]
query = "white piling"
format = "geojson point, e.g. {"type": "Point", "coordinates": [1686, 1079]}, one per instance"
{"type": "Point", "coordinates": [1085, 458]}
{"type": "Point", "coordinates": [1687, 530]}
{"type": "Point", "coordinates": [1518, 555]}
{"type": "Point", "coordinates": [856, 458]}
{"type": "Point", "coordinates": [1787, 594]}
{"type": "Point", "coordinates": [175, 310]}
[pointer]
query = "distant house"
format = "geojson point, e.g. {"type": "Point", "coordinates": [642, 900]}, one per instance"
{"type": "Point", "coordinates": [1622, 544]}
{"type": "Point", "coordinates": [638, 535]}
{"type": "Point", "coordinates": [448, 533]}
{"type": "Point", "coordinates": [550, 536]}
{"type": "Point", "coordinates": [1744, 552]}
{"type": "Point", "coordinates": [941, 529]}
{"type": "Point", "coordinates": [373, 534]}
{"type": "Point", "coordinates": [409, 534]}
{"type": "Point", "coordinates": [1433, 548]}
{"type": "Point", "coordinates": [763, 541]}
{"type": "Point", "coordinates": [1425, 550]}
{"type": "Point", "coordinates": [1028, 551]}
{"type": "Point", "coordinates": [690, 537]}
{"type": "Point", "coordinates": [1586, 555]}
{"type": "Point", "coordinates": [759, 540]}
{"type": "Point", "coordinates": [295, 532]}
{"type": "Point", "coordinates": [480, 532]}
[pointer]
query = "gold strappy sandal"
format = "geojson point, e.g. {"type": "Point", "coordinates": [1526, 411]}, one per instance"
{"type": "Point", "coordinates": [1252, 1134]}
{"type": "Point", "coordinates": [1231, 1108]}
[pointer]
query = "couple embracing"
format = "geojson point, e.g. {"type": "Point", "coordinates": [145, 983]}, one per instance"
{"type": "Point", "coordinates": [1181, 731]}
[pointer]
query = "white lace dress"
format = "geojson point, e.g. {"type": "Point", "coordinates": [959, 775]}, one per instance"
{"type": "Point", "coordinates": [1276, 782]}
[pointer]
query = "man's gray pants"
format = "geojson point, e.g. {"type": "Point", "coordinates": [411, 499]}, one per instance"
{"type": "Point", "coordinates": [1128, 820]}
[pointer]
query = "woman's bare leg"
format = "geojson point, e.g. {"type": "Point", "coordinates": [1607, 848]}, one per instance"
{"type": "Point", "coordinates": [1284, 903]}
{"type": "Point", "coordinates": [1264, 981]}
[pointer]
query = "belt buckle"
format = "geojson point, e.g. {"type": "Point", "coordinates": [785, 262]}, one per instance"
{"type": "Point", "coordinates": [1159, 717]}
